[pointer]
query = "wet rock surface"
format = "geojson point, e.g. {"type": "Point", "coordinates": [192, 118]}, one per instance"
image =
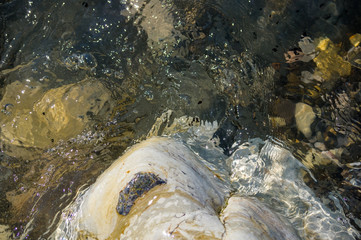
{"type": "Point", "coordinates": [33, 117]}
{"type": "Point", "coordinates": [304, 117]}
{"type": "Point", "coordinates": [181, 207]}
{"type": "Point", "coordinates": [186, 207]}
{"type": "Point", "coordinates": [239, 208]}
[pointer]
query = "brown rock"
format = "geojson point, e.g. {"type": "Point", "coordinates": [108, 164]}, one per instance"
{"type": "Point", "coordinates": [38, 119]}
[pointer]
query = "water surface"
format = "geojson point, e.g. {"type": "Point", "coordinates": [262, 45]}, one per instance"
{"type": "Point", "coordinates": [214, 60]}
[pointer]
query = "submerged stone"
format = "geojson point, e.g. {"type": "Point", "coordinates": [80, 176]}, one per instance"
{"type": "Point", "coordinates": [34, 117]}
{"type": "Point", "coordinates": [355, 39]}
{"type": "Point", "coordinates": [329, 63]}
{"type": "Point", "coordinates": [304, 116]}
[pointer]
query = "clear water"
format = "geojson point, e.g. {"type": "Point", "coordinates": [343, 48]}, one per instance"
{"type": "Point", "coordinates": [217, 60]}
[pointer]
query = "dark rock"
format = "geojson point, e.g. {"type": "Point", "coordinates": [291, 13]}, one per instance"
{"type": "Point", "coordinates": [139, 185]}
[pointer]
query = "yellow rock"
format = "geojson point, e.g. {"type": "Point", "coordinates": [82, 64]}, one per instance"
{"type": "Point", "coordinates": [304, 116]}
{"type": "Point", "coordinates": [278, 121]}
{"type": "Point", "coordinates": [324, 44]}
{"type": "Point", "coordinates": [5, 232]}
{"type": "Point", "coordinates": [17, 116]}
{"type": "Point", "coordinates": [355, 39]}
{"type": "Point", "coordinates": [329, 63]}
{"type": "Point", "coordinates": [38, 119]}
{"type": "Point", "coordinates": [66, 110]}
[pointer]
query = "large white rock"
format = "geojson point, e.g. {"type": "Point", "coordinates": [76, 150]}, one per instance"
{"type": "Point", "coordinates": [248, 218]}
{"type": "Point", "coordinates": [185, 205]}
{"type": "Point", "coordinates": [183, 201]}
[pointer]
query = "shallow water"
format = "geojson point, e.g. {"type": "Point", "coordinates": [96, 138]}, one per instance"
{"type": "Point", "coordinates": [215, 60]}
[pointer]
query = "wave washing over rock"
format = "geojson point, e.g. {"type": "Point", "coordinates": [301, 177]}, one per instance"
{"type": "Point", "coordinates": [170, 192]}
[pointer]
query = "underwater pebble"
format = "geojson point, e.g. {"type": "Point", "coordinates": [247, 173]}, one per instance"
{"type": "Point", "coordinates": [320, 146]}
{"type": "Point", "coordinates": [304, 116]}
